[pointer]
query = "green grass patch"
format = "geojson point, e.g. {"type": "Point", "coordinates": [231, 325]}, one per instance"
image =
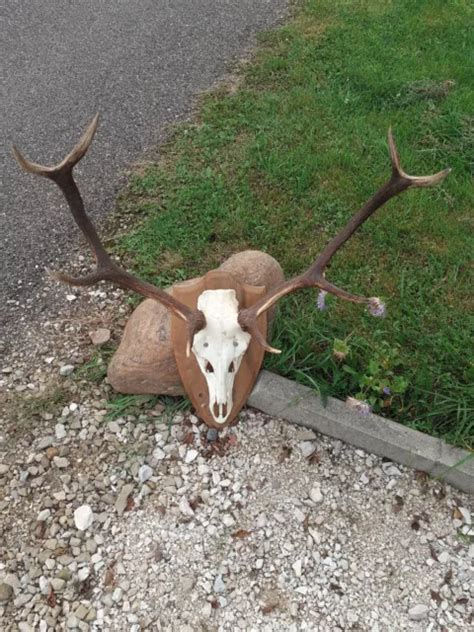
{"type": "Point", "coordinates": [281, 163]}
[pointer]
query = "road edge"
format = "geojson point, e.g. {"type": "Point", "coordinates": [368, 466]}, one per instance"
{"type": "Point", "coordinates": [298, 404]}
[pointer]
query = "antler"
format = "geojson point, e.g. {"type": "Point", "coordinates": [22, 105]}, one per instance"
{"type": "Point", "coordinates": [106, 269]}
{"type": "Point", "coordinates": [314, 276]}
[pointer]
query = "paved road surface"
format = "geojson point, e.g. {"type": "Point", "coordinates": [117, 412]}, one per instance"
{"type": "Point", "coordinates": [137, 61]}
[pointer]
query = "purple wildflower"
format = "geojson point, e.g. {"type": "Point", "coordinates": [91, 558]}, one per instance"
{"type": "Point", "coordinates": [376, 307]}
{"type": "Point", "coordinates": [363, 408]}
{"type": "Point", "coordinates": [321, 300]}
{"type": "Point", "coordinates": [386, 390]}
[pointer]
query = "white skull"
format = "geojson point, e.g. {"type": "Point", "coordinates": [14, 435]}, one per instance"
{"type": "Point", "coordinates": [219, 348]}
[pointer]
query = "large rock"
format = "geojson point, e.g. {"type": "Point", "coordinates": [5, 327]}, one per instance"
{"type": "Point", "coordinates": [144, 362]}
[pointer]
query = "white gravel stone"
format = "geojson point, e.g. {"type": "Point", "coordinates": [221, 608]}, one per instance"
{"type": "Point", "coordinates": [190, 456]}
{"type": "Point", "coordinates": [219, 585]}
{"type": "Point", "coordinates": [66, 370]}
{"type": "Point", "coordinates": [60, 431]}
{"type": "Point", "coordinates": [315, 494]}
{"type": "Point", "coordinates": [145, 473]}
{"type": "Point", "coordinates": [418, 612]}
{"type": "Point", "coordinates": [83, 517]}
{"type": "Point", "coordinates": [43, 515]}
{"type": "Point", "coordinates": [466, 515]}
{"type": "Point", "coordinates": [307, 448]}
{"type": "Point", "coordinates": [185, 508]}
{"type": "Point", "coordinates": [83, 574]}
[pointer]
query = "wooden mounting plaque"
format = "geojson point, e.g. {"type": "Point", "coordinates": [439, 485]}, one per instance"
{"type": "Point", "coordinates": [193, 380]}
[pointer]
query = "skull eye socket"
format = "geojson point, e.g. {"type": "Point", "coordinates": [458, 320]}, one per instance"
{"type": "Point", "coordinates": [231, 367]}
{"type": "Point", "coordinates": [209, 368]}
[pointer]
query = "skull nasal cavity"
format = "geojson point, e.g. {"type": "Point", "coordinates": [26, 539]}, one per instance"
{"type": "Point", "coordinates": [209, 368]}
{"type": "Point", "coordinates": [231, 368]}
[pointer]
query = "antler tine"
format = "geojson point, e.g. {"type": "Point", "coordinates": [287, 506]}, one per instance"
{"type": "Point", "coordinates": [106, 269]}
{"type": "Point", "coordinates": [314, 276]}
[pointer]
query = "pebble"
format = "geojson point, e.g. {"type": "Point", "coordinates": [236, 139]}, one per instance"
{"type": "Point", "coordinates": [307, 448]}
{"type": "Point", "coordinates": [122, 498]}
{"type": "Point", "coordinates": [66, 370]}
{"type": "Point", "coordinates": [418, 612]}
{"type": "Point", "coordinates": [60, 431]}
{"type": "Point", "coordinates": [190, 456]}
{"type": "Point", "coordinates": [219, 585]}
{"type": "Point", "coordinates": [60, 462]}
{"type": "Point", "coordinates": [3, 469]}
{"type": "Point", "coordinates": [100, 336]}
{"type": "Point", "coordinates": [43, 515]}
{"type": "Point", "coordinates": [145, 473]}
{"type": "Point", "coordinates": [185, 508]}
{"type": "Point", "coordinates": [83, 517]}
{"type": "Point", "coordinates": [212, 435]}
{"type": "Point", "coordinates": [315, 494]}
{"type": "Point", "coordinates": [83, 574]}
{"type": "Point", "coordinates": [6, 592]}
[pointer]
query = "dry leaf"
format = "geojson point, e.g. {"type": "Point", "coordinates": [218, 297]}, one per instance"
{"type": "Point", "coordinates": [457, 515]}
{"type": "Point", "coordinates": [40, 529]}
{"type": "Point", "coordinates": [194, 502]}
{"type": "Point", "coordinates": [415, 525]}
{"type": "Point", "coordinates": [314, 457]}
{"type": "Point", "coordinates": [51, 598]}
{"type": "Point", "coordinates": [399, 502]}
{"type": "Point", "coordinates": [109, 579]}
{"type": "Point", "coordinates": [158, 553]}
{"type": "Point", "coordinates": [448, 577]}
{"type": "Point", "coordinates": [435, 596]}
{"type": "Point", "coordinates": [189, 438]}
{"type": "Point", "coordinates": [269, 607]}
{"type": "Point", "coordinates": [336, 588]}
{"type": "Point", "coordinates": [284, 454]}
{"type": "Point", "coordinates": [130, 503]}
{"type": "Point", "coordinates": [241, 533]}
{"type": "Point", "coordinates": [433, 553]}
{"type": "Point", "coordinates": [439, 492]}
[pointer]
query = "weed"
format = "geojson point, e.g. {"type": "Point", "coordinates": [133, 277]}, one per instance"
{"type": "Point", "coordinates": [121, 405]}
{"type": "Point", "coordinates": [95, 369]}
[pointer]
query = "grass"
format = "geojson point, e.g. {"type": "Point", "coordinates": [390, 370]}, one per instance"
{"type": "Point", "coordinates": [283, 161]}
{"type": "Point", "coordinates": [139, 404]}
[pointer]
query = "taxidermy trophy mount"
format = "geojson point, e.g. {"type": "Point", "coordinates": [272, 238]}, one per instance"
{"type": "Point", "coordinates": [218, 322]}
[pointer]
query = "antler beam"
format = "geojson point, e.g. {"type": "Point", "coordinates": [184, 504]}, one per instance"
{"type": "Point", "coordinates": [106, 269]}
{"type": "Point", "coordinates": [314, 276]}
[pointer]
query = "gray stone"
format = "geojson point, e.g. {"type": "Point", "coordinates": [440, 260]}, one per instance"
{"type": "Point", "coordinates": [83, 517]}
{"type": "Point", "coordinates": [66, 370]}
{"type": "Point", "coordinates": [6, 592]}
{"type": "Point", "coordinates": [212, 435]}
{"type": "Point", "coordinates": [145, 473]}
{"type": "Point", "coordinates": [60, 431]}
{"type": "Point", "coordinates": [122, 498]}
{"type": "Point", "coordinates": [60, 462]}
{"type": "Point", "coordinates": [219, 585]}
{"type": "Point", "coordinates": [418, 612]}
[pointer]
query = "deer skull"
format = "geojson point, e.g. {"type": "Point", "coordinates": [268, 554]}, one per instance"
{"type": "Point", "coordinates": [219, 348]}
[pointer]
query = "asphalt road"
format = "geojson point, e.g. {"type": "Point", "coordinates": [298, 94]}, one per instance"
{"type": "Point", "coordinates": [138, 62]}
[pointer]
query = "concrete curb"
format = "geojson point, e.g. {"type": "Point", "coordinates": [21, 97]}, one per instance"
{"type": "Point", "coordinates": [299, 404]}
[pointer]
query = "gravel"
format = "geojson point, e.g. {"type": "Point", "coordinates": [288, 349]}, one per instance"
{"type": "Point", "coordinates": [265, 526]}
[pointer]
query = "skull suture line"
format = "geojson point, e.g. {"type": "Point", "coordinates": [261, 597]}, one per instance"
{"type": "Point", "coordinates": [219, 348]}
